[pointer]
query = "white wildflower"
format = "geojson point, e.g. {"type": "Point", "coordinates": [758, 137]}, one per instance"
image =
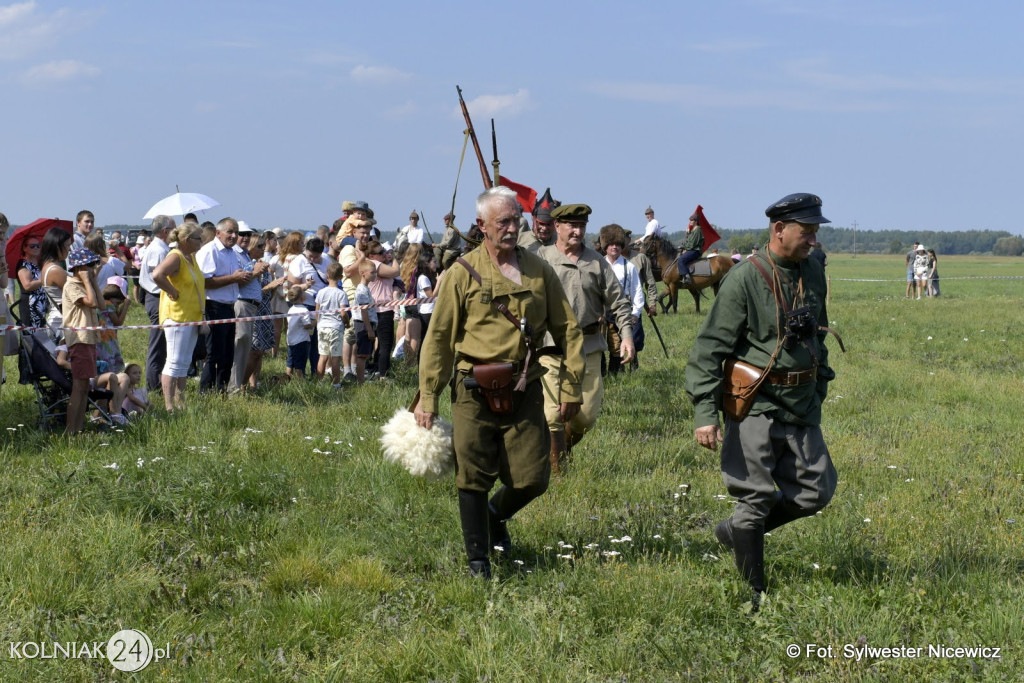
{"type": "Point", "coordinates": [111, 466]}
{"type": "Point", "coordinates": [611, 553]}
{"type": "Point", "coordinates": [867, 519]}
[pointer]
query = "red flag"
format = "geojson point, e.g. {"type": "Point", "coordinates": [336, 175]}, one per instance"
{"type": "Point", "coordinates": [526, 195]}
{"type": "Point", "coordinates": [710, 234]}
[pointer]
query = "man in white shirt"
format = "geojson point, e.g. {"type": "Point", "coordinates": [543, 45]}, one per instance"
{"type": "Point", "coordinates": [223, 275]}
{"type": "Point", "coordinates": [84, 222]}
{"type": "Point", "coordinates": [151, 257]}
{"type": "Point", "coordinates": [653, 226]}
{"type": "Point", "coordinates": [410, 234]}
{"type": "Point", "coordinates": [613, 240]}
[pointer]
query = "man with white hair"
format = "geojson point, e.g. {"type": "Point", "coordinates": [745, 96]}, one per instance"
{"type": "Point", "coordinates": [499, 431]}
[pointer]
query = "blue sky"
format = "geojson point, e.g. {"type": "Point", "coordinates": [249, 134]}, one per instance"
{"type": "Point", "coordinates": [904, 115]}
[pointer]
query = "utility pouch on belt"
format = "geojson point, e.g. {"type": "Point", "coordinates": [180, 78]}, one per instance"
{"type": "Point", "coordinates": [495, 383]}
{"type": "Point", "coordinates": [739, 387]}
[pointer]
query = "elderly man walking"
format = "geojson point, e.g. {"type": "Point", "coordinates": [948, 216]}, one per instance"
{"type": "Point", "coordinates": [592, 289]}
{"type": "Point", "coordinates": [476, 328]}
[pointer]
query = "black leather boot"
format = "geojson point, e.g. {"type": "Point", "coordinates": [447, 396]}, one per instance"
{"type": "Point", "coordinates": [505, 503]}
{"type": "Point", "coordinates": [474, 516]}
{"type": "Point", "coordinates": [749, 550]}
{"type": "Point", "coordinates": [783, 513]}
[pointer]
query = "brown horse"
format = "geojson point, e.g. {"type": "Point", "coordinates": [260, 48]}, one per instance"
{"type": "Point", "coordinates": [663, 254]}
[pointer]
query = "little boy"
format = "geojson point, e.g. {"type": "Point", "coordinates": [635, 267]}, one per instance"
{"type": "Point", "coordinates": [331, 323]}
{"type": "Point", "coordinates": [299, 325]}
{"type": "Point", "coordinates": [366, 320]}
{"type": "Point", "coordinates": [80, 301]}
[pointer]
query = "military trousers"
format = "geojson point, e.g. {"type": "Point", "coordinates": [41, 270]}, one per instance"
{"type": "Point", "coordinates": [762, 453]}
{"type": "Point", "coordinates": [513, 447]}
{"type": "Point", "coordinates": [593, 393]}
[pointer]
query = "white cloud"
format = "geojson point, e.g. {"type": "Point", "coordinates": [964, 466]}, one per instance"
{"type": "Point", "coordinates": [12, 13]}
{"type": "Point", "coordinates": [378, 75]}
{"type": "Point", "coordinates": [488, 106]}
{"type": "Point", "coordinates": [25, 31]}
{"type": "Point", "coordinates": [59, 71]}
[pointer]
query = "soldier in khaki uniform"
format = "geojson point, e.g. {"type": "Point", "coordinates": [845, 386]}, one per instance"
{"type": "Point", "coordinates": [592, 289]}
{"type": "Point", "coordinates": [450, 246]}
{"type": "Point", "coordinates": [774, 461]}
{"type": "Point", "coordinates": [543, 232]}
{"type": "Point", "coordinates": [468, 330]}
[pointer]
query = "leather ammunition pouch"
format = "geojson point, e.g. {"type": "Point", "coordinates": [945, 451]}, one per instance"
{"type": "Point", "coordinates": [495, 383]}
{"type": "Point", "coordinates": [739, 387]}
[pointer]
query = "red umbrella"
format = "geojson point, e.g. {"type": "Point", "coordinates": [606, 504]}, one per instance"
{"type": "Point", "coordinates": [36, 228]}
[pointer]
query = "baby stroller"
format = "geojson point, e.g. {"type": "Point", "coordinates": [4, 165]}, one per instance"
{"type": "Point", "coordinates": [52, 383]}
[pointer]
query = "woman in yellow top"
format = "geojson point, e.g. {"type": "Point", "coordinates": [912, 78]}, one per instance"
{"type": "Point", "coordinates": [181, 301]}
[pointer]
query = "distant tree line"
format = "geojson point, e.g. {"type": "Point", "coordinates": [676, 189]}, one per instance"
{"type": "Point", "coordinates": [844, 240]}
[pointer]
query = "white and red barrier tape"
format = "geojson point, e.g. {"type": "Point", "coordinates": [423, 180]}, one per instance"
{"type": "Point", "coordinates": [391, 304]}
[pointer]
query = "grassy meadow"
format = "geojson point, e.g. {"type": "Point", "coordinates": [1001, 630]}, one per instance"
{"type": "Point", "coordinates": [265, 538]}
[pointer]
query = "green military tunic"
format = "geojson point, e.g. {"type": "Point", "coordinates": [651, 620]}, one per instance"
{"type": "Point", "coordinates": [694, 241]}
{"type": "Point", "coordinates": [643, 264]}
{"type": "Point", "coordinates": [742, 324]}
{"type": "Point", "coordinates": [591, 288]}
{"type": "Point", "coordinates": [466, 329]}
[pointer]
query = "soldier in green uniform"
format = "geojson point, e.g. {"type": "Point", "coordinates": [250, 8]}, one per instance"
{"type": "Point", "coordinates": [690, 250]}
{"type": "Point", "coordinates": [592, 289]}
{"type": "Point", "coordinates": [543, 232]}
{"type": "Point", "coordinates": [466, 330]}
{"type": "Point", "coordinates": [774, 461]}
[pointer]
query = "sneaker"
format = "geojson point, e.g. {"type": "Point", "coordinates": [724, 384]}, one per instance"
{"type": "Point", "coordinates": [337, 385]}
{"type": "Point", "coordinates": [349, 377]}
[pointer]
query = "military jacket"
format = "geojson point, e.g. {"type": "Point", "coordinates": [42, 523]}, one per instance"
{"type": "Point", "coordinates": [529, 241]}
{"type": "Point", "coordinates": [592, 288]}
{"type": "Point", "coordinates": [465, 324]}
{"type": "Point", "coordinates": [694, 240]}
{"type": "Point", "coordinates": [743, 323]}
{"type": "Point", "coordinates": [643, 264]}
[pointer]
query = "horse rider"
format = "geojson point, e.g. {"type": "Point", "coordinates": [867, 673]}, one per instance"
{"type": "Point", "coordinates": [592, 289]}
{"type": "Point", "coordinates": [653, 227]}
{"type": "Point", "coordinates": [691, 249]}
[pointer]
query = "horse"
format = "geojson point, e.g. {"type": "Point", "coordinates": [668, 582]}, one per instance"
{"type": "Point", "coordinates": [663, 254]}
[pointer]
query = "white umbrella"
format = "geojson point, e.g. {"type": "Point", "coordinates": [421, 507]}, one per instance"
{"type": "Point", "coordinates": [180, 203]}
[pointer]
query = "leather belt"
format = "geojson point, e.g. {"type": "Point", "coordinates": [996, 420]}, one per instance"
{"type": "Point", "coordinates": [792, 379]}
{"type": "Point", "coordinates": [592, 329]}
{"type": "Point", "coordinates": [516, 365]}
{"type": "Point", "coordinates": [254, 302]}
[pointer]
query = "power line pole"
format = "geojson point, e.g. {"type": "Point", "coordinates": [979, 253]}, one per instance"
{"type": "Point", "coordinates": [855, 238]}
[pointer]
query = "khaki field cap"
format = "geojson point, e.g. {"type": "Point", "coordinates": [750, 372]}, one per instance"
{"type": "Point", "coordinates": [572, 213]}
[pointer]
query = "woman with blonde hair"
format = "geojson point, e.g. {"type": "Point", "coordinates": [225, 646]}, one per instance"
{"type": "Point", "coordinates": [181, 301]}
{"type": "Point", "coordinates": [409, 328]}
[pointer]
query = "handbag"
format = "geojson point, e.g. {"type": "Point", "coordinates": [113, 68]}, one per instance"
{"type": "Point", "coordinates": [740, 383]}
{"type": "Point", "coordinates": [495, 383]}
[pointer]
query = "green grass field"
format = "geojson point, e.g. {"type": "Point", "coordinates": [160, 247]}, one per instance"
{"type": "Point", "coordinates": [264, 537]}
